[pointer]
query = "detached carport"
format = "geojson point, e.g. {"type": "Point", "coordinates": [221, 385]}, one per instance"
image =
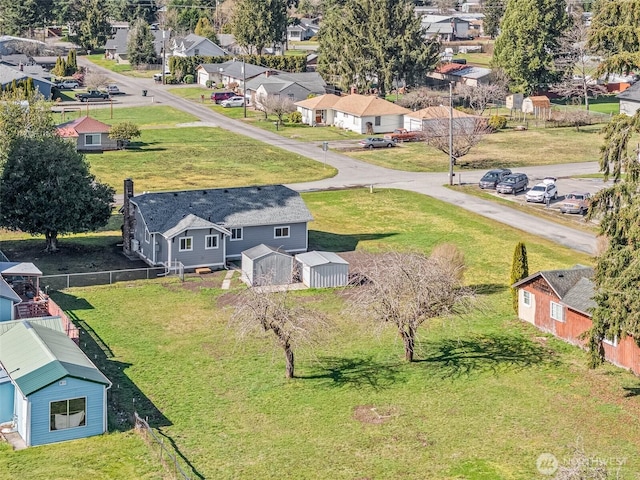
{"type": "Point", "coordinates": [264, 265]}
{"type": "Point", "coordinates": [323, 269]}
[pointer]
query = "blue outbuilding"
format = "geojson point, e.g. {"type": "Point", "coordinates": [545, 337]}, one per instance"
{"type": "Point", "coordinates": [48, 387]}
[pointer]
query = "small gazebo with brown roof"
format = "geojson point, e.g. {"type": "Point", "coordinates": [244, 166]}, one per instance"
{"type": "Point", "coordinates": [90, 135]}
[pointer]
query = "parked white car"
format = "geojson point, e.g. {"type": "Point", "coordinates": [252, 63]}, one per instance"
{"type": "Point", "coordinates": [543, 192]}
{"type": "Point", "coordinates": [233, 102]}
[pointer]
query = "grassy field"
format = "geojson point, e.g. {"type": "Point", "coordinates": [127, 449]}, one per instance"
{"type": "Point", "coordinates": [507, 148]}
{"type": "Point", "coordinates": [144, 117]}
{"type": "Point", "coordinates": [116, 67]}
{"type": "Point", "coordinates": [479, 59]}
{"type": "Point", "coordinates": [488, 396]}
{"type": "Point", "coordinates": [199, 157]}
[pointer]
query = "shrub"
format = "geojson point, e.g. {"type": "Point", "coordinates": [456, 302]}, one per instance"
{"type": "Point", "coordinates": [189, 79]}
{"type": "Point", "coordinates": [209, 83]}
{"type": "Point", "coordinates": [467, 110]}
{"type": "Point", "coordinates": [497, 122]}
{"type": "Point", "coordinates": [295, 117]}
{"type": "Point", "coordinates": [170, 80]}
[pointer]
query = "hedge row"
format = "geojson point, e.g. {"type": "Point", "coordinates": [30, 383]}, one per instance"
{"type": "Point", "coordinates": [188, 65]}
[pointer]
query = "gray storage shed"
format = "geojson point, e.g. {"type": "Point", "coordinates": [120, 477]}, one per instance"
{"type": "Point", "coordinates": [323, 269]}
{"type": "Point", "coordinates": [265, 265]}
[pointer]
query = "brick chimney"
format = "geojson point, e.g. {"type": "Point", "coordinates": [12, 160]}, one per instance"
{"type": "Point", "coordinates": [127, 226]}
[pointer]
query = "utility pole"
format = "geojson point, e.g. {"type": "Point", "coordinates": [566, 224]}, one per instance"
{"type": "Point", "coordinates": [451, 159]}
{"type": "Point", "coordinates": [244, 89]}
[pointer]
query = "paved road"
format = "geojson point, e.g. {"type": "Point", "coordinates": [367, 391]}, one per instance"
{"type": "Point", "coordinates": [353, 173]}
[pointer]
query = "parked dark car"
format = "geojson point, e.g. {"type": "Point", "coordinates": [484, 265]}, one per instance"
{"type": "Point", "coordinates": [493, 177]}
{"type": "Point", "coordinates": [513, 183]}
{"type": "Point", "coordinates": [218, 97]}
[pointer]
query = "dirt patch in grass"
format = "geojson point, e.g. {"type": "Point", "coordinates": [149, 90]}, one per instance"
{"type": "Point", "coordinates": [374, 415]}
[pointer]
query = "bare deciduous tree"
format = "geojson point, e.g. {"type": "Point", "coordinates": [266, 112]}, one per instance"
{"type": "Point", "coordinates": [292, 324]}
{"type": "Point", "coordinates": [96, 80]}
{"type": "Point", "coordinates": [408, 289]}
{"type": "Point", "coordinates": [467, 133]}
{"type": "Point", "coordinates": [275, 105]}
{"type": "Point", "coordinates": [480, 96]}
{"type": "Point", "coordinates": [576, 63]}
{"type": "Point", "coordinates": [423, 98]}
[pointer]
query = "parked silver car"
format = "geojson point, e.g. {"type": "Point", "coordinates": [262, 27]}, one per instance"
{"type": "Point", "coordinates": [376, 142]}
{"type": "Point", "coordinates": [514, 183]}
{"type": "Point", "coordinates": [233, 102]}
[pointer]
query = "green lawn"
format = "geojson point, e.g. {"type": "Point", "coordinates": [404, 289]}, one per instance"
{"type": "Point", "coordinates": [201, 157]}
{"type": "Point", "coordinates": [116, 67]}
{"type": "Point", "coordinates": [488, 396]}
{"type": "Point", "coordinates": [507, 148]}
{"type": "Point", "coordinates": [479, 59]}
{"type": "Point", "coordinates": [145, 117]}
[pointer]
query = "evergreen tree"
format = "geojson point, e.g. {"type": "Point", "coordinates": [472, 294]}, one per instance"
{"type": "Point", "coordinates": [60, 70]}
{"type": "Point", "coordinates": [351, 53]}
{"type": "Point", "coordinates": [617, 272]}
{"type": "Point", "coordinates": [493, 11]}
{"type": "Point", "coordinates": [615, 35]}
{"type": "Point", "coordinates": [20, 17]}
{"type": "Point", "coordinates": [140, 49]}
{"type": "Point", "coordinates": [529, 36]}
{"type": "Point", "coordinates": [72, 63]}
{"type": "Point", "coordinates": [46, 188]}
{"type": "Point", "coordinates": [94, 26]}
{"type": "Point", "coordinates": [260, 23]}
{"type": "Point", "coordinates": [519, 270]}
{"type": "Point", "coordinates": [205, 29]}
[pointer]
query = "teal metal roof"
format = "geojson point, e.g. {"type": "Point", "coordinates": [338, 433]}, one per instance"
{"type": "Point", "coordinates": [35, 356]}
{"type": "Point", "coordinates": [54, 323]}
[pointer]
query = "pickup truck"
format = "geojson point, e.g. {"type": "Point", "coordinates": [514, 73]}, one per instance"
{"type": "Point", "coordinates": [92, 95]}
{"type": "Point", "coordinates": [403, 135]}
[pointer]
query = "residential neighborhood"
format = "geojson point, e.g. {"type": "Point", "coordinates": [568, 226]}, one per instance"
{"type": "Point", "coordinates": [254, 240]}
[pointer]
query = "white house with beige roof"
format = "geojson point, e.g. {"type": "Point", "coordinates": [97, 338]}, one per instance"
{"type": "Point", "coordinates": [358, 113]}
{"type": "Point", "coordinates": [432, 117]}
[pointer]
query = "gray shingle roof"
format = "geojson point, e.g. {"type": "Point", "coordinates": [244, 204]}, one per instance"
{"type": "Point", "coordinates": [561, 281]}
{"type": "Point", "coordinates": [632, 93]}
{"type": "Point", "coordinates": [580, 296]}
{"type": "Point", "coordinates": [228, 207]}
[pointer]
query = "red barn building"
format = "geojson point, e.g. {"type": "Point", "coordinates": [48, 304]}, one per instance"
{"type": "Point", "coordinates": [560, 302]}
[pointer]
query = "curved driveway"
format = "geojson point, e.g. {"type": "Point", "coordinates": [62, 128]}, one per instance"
{"type": "Point", "coordinates": [356, 173]}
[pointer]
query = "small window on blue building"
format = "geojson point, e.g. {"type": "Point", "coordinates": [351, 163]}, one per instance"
{"type": "Point", "coordinates": [68, 413]}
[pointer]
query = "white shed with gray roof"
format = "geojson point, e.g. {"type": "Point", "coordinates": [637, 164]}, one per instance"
{"type": "Point", "coordinates": [265, 265]}
{"type": "Point", "coordinates": [323, 269]}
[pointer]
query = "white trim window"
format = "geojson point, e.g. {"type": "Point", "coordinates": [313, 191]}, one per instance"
{"type": "Point", "coordinates": [91, 139]}
{"type": "Point", "coordinates": [68, 413]}
{"type": "Point", "coordinates": [186, 244]}
{"type": "Point", "coordinates": [210, 242]}
{"type": "Point", "coordinates": [147, 235]}
{"type": "Point", "coordinates": [556, 311]}
{"type": "Point", "coordinates": [613, 343]}
{"type": "Point", "coordinates": [281, 232]}
{"type": "Point", "coordinates": [526, 298]}
{"type": "Point", "coordinates": [236, 234]}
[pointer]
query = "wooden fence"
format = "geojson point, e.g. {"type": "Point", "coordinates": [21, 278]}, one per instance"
{"type": "Point", "coordinates": [167, 455]}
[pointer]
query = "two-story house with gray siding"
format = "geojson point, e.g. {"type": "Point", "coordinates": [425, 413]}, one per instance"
{"type": "Point", "coordinates": [206, 228]}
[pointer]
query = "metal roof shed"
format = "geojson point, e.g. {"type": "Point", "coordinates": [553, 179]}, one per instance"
{"type": "Point", "coordinates": [265, 265]}
{"type": "Point", "coordinates": [323, 269]}
{"type": "Point", "coordinates": [59, 394]}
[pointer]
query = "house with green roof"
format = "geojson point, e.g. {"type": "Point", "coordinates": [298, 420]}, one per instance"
{"type": "Point", "coordinates": [48, 387]}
